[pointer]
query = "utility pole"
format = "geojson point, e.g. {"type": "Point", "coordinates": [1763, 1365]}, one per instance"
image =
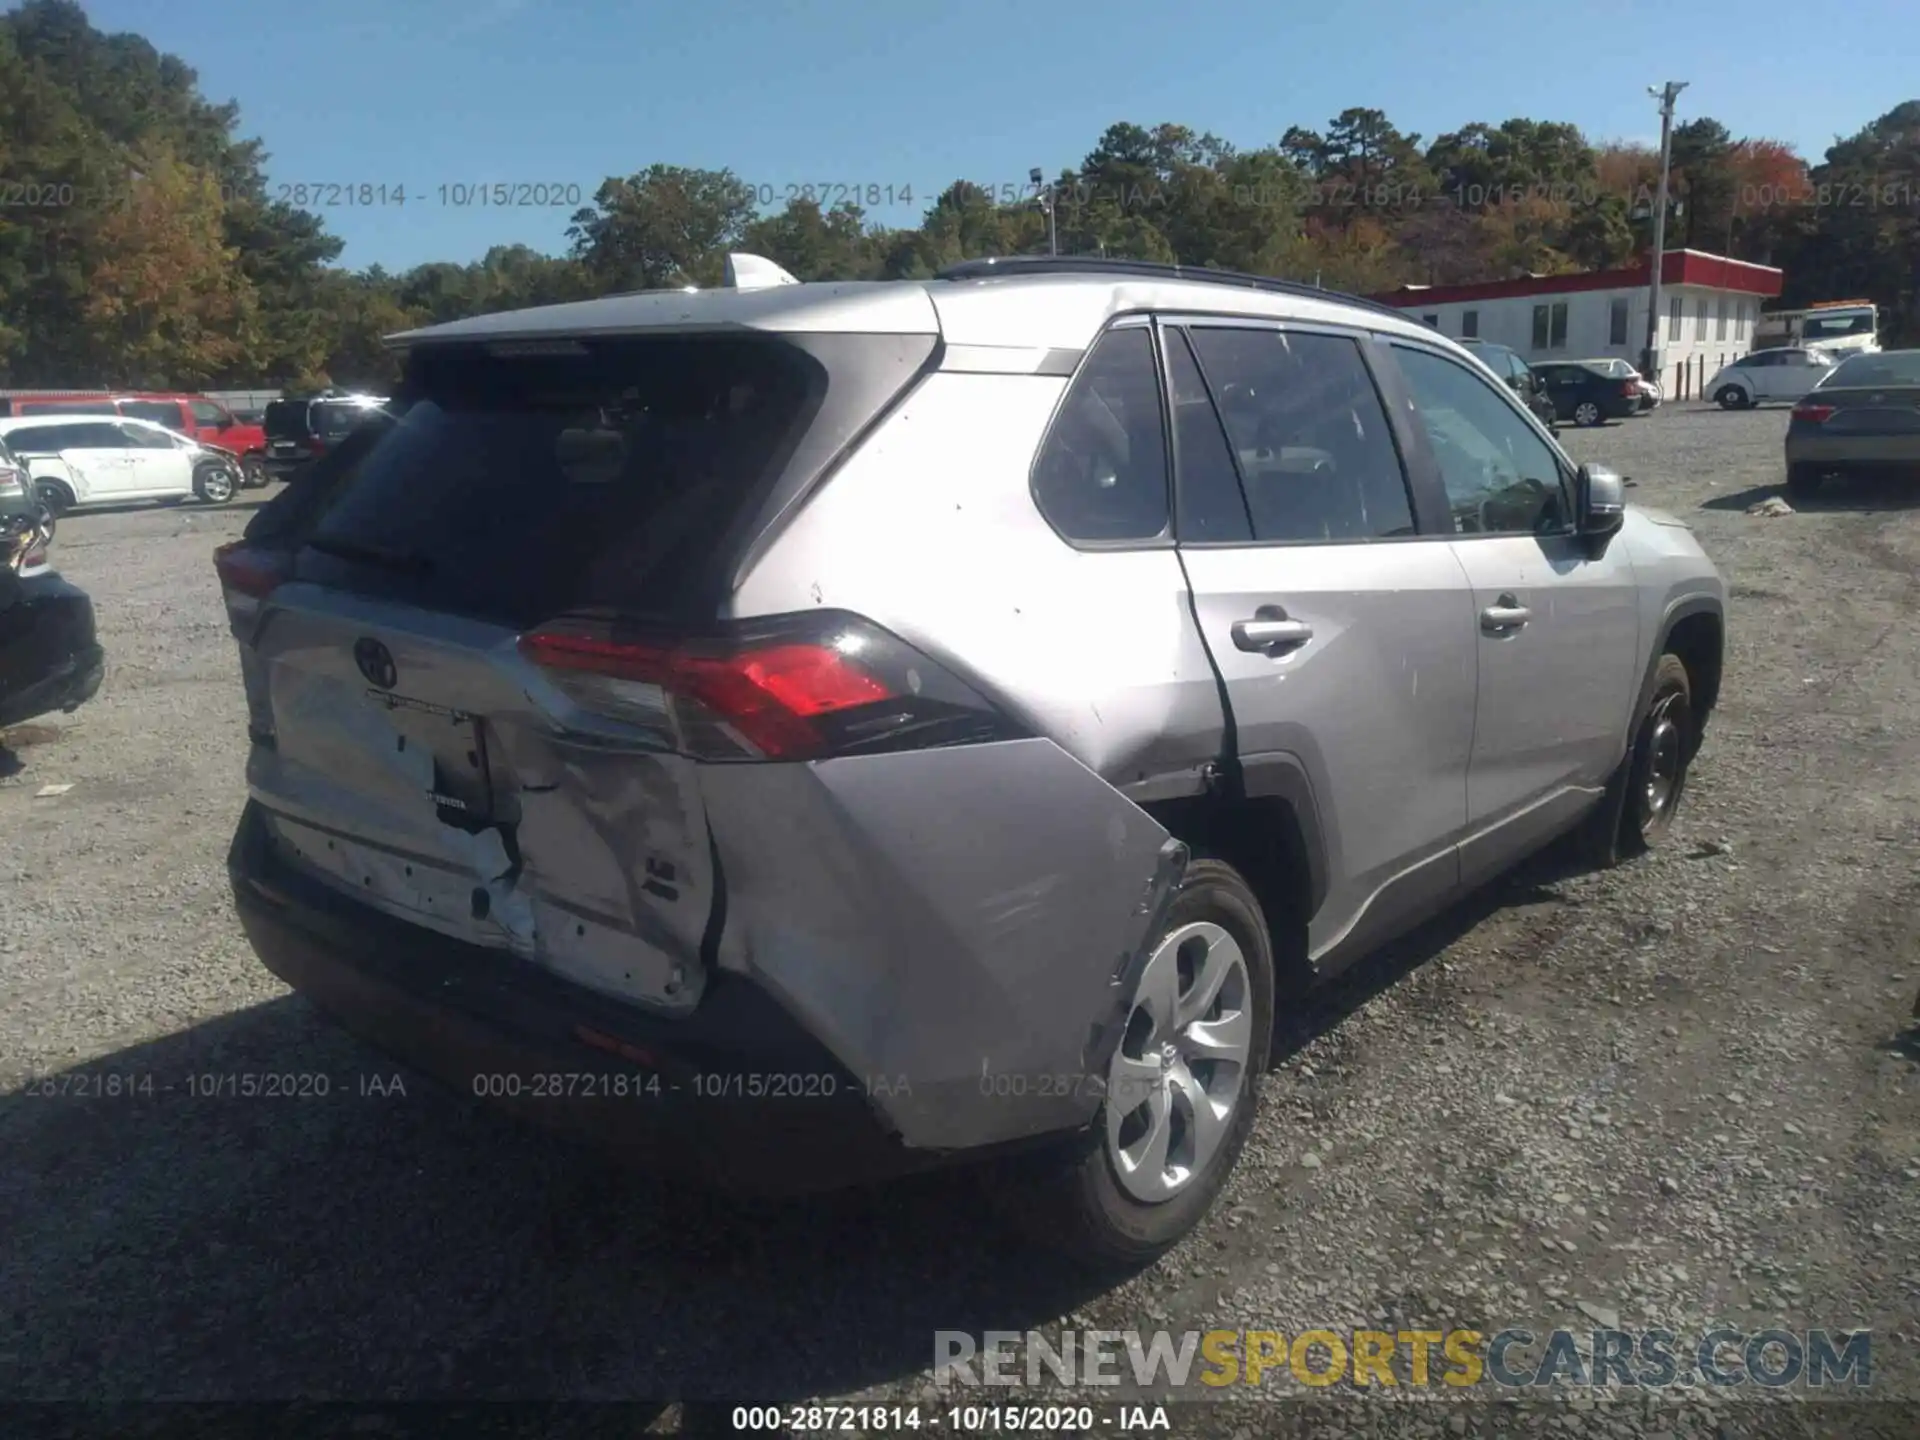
{"type": "Point", "coordinates": [1650, 361]}
{"type": "Point", "coordinates": [1044, 193]}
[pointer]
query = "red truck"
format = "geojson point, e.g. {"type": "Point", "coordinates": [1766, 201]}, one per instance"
{"type": "Point", "coordinates": [205, 420]}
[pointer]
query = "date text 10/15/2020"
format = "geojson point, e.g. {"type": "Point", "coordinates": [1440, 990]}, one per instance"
{"type": "Point", "coordinates": [214, 1085]}
{"type": "Point", "coordinates": [593, 1084]}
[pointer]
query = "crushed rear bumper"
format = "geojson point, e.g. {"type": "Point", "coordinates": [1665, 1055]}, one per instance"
{"type": "Point", "coordinates": [895, 986]}
{"type": "Point", "coordinates": [737, 1094]}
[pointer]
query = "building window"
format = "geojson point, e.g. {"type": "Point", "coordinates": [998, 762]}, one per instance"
{"type": "Point", "coordinates": [1550, 326]}
{"type": "Point", "coordinates": [1700, 318]}
{"type": "Point", "coordinates": [1720, 320]}
{"type": "Point", "coordinates": [1674, 305]}
{"type": "Point", "coordinates": [1470, 324]}
{"type": "Point", "coordinates": [1617, 323]}
{"type": "Point", "coordinates": [1433, 320]}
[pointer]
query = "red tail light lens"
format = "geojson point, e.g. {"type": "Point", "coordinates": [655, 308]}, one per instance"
{"type": "Point", "coordinates": [34, 557]}
{"type": "Point", "coordinates": [1630, 389]}
{"type": "Point", "coordinates": [248, 572]}
{"type": "Point", "coordinates": [793, 688]}
{"type": "Point", "coordinates": [1813, 414]}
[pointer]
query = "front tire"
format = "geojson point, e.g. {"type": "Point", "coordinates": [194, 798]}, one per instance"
{"type": "Point", "coordinates": [1629, 820]}
{"type": "Point", "coordinates": [1587, 414]}
{"type": "Point", "coordinates": [213, 484]}
{"type": "Point", "coordinates": [1662, 755]}
{"type": "Point", "coordinates": [1181, 1092]}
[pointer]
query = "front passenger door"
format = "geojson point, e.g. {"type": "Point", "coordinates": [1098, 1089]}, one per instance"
{"type": "Point", "coordinates": [1343, 636]}
{"type": "Point", "coordinates": [160, 463]}
{"type": "Point", "coordinates": [1557, 636]}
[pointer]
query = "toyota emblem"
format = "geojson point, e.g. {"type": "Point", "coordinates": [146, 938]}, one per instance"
{"type": "Point", "coordinates": [375, 662]}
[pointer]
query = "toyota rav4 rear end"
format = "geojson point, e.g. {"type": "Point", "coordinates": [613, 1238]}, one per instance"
{"type": "Point", "coordinates": [577, 780]}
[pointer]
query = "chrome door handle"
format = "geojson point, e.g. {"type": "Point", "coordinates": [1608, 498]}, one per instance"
{"type": "Point", "coordinates": [1504, 616]}
{"type": "Point", "coordinates": [1268, 635]}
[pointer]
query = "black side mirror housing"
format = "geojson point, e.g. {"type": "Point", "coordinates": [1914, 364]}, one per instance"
{"type": "Point", "coordinates": [1602, 504]}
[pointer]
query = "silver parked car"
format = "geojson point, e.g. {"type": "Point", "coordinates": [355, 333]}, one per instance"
{"type": "Point", "coordinates": [831, 729]}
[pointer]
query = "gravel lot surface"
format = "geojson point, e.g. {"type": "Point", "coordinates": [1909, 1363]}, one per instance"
{"type": "Point", "coordinates": [1672, 1093]}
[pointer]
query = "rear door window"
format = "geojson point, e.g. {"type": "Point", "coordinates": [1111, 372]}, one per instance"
{"type": "Point", "coordinates": [1210, 507]}
{"type": "Point", "coordinates": [334, 419]}
{"type": "Point", "coordinates": [519, 486]}
{"type": "Point", "coordinates": [1316, 457]}
{"type": "Point", "coordinates": [94, 437]}
{"type": "Point", "coordinates": [285, 419]}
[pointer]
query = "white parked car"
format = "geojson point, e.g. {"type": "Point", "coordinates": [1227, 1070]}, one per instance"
{"type": "Point", "coordinates": [77, 460]}
{"type": "Point", "coordinates": [1785, 372]}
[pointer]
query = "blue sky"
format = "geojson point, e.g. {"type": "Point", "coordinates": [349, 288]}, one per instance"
{"type": "Point", "coordinates": [426, 93]}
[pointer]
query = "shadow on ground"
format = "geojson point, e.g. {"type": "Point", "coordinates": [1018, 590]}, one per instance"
{"type": "Point", "coordinates": [1839, 493]}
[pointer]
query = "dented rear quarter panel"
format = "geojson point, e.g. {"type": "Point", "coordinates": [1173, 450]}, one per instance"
{"type": "Point", "coordinates": [958, 919]}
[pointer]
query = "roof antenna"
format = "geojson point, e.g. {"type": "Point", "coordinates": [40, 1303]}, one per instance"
{"type": "Point", "coordinates": [755, 272]}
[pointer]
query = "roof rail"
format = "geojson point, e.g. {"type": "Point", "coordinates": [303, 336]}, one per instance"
{"type": "Point", "coordinates": [1017, 265]}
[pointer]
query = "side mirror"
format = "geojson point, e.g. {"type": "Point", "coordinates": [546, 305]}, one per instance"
{"type": "Point", "coordinates": [1603, 501]}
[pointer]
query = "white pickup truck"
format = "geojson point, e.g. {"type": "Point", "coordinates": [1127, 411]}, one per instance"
{"type": "Point", "coordinates": [1840, 327]}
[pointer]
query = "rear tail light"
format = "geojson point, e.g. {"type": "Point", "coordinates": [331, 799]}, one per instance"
{"type": "Point", "coordinates": [792, 688]}
{"type": "Point", "coordinates": [34, 557]}
{"type": "Point", "coordinates": [11, 480]}
{"type": "Point", "coordinates": [1630, 389]}
{"type": "Point", "coordinates": [317, 446]}
{"type": "Point", "coordinates": [1813, 414]}
{"type": "Point", "coordinates": [254, 574]}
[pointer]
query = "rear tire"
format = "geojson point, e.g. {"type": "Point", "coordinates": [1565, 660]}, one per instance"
{"type": "Point", "coordinates": [54, 497]}
{"type": "Point", "coordinates": [253, 473]}
{"type": "Point", "coordinates": [1732, 397]}
{"type": "Point", "coordinates": [1077, 1199]}
{"type": "Point", "coordinates": [1803, 479]}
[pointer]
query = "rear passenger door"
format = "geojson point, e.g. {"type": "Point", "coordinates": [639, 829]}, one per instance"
{"type": "Point", "coordinates": [101, 459]}
{"type": "Point", "coordinates": [1556, 627]}
{"type": "Point", "coordinates": [1345, 639]}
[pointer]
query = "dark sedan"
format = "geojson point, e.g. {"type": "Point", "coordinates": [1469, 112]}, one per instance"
{"type": "Point", "coordinates": [49, 657]}
{"type": "Point", "coordinates": [1586, 395]}
{"type": "Point", "coordinates": [1519, 375]}
{"type": "Point", "coordinates": [1863, 415]}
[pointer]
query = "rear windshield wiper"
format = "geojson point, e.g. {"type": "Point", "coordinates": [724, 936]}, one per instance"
{"type": "Point", "coordinates": [405, 562]}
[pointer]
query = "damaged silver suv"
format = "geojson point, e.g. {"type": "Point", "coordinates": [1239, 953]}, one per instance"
{"type": "Point", "coordinates": [815, 731]}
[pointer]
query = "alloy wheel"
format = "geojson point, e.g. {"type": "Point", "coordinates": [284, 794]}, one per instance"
{"type": "Point", "coordinates": [1181, 1068]}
